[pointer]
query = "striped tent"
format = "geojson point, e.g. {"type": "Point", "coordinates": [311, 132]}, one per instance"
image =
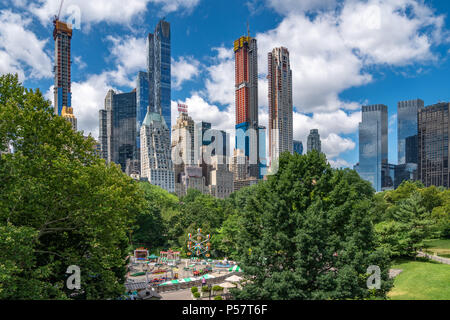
{"type": "Point", "coordinates": [207, 276]}
{"type": "Point", "coordinates": [188, 280]}
{"type": "Point", "coordinates": [170, 282]}
{"type": "Point", "coordinates": [235, 269]}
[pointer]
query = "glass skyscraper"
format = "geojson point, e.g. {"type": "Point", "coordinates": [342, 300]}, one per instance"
{"type": "Point", "coordinates": [142, 94]}
{"type": "Point", "coordinates": [407, 130]}
{"type": "Point", "coordinates": [373, 145]}
{"type": "Point", "coordinates": [118, 127]}
{"type": "Point", "coordinates": [298, 147]}
{"type": "Point", "coordinates": [433, 145]}
{"type": "Point", "coordinates": [159, 68]}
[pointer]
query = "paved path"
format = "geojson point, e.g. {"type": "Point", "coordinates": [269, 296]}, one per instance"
{"type": "Point", "coordinates": [435, 258]}
{"type": "Point", "coordinates": [177, 295]}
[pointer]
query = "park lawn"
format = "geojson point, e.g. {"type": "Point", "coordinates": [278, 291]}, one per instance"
{"type": "Point", "coordinates": [439, 247]}
{"type": "Point", "coordinates": [421, 280]}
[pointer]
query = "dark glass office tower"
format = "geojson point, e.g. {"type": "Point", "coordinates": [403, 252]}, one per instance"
{"type": "Point", "coordinates": [119, 145]}
{"type": "Point", "coordinates": [124, 127]}
{"type": "Point", "coordinates": [434, 127]}
{"type": "Point", "coordinates": [159, 64]}
{"type": "Point", "coordinates": [407, 130]}
{"type": "Point", "coordinates": [373, 145]}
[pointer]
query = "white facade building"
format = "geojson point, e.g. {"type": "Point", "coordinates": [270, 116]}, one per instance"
{"type": "Point", "coordinates": [156, 160]}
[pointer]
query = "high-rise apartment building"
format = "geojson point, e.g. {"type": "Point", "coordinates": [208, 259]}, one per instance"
{"type": "Point", "coordinates": [280, 103]}
{"type": "Point", "coordinates": [433, 145]}
{"type": "Point", "coordinates": [120, 114]}
{"type": "Point", "coordinates": [62, 34]}
{"type": "Point", "coordinates": [159, 71]}
{"type": "Point", "coordinates": [298, 147]}
{"type": "Point", "coordinates": [246, 86]}
{"type": "Point", "coordinates": [314, 142]}
{"type": "Point", "coordinates": [156, 159]}
{"type": "Point", "coordinates": [373, 145]}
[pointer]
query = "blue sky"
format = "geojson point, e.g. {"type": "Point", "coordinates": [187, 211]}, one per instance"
{"type": "Point", "coordinates": [343, 54]}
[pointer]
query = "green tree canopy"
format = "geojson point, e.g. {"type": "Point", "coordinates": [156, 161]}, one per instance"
{"type": "Point", "coordinates": [60, 202]}
{"type": "Point", "coordinates": [306, 234]}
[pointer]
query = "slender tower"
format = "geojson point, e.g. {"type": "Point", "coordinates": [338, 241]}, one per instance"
{"type": "Point", "coordinates": [280, 103]}
{"type": "Point", "coordinates": [247, 126]}
{"type": "Point", "coordinates": [62, 34]}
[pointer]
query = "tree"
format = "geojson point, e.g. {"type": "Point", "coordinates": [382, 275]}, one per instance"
{"type": "Point", "coordinates": [60, 202]}
{"type": "Point", "coordinates": [403, 235]}
{"type": "Point", "coordinates": [305, 234]}
{"type": "Point", "coordinates": [149, 228]}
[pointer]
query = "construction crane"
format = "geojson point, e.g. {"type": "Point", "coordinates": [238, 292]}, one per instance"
{"type": "Point", "coordinates": [56, 18]}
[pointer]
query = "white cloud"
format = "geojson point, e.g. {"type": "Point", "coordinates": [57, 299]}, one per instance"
{"type": "Point", "coordinates": [334, 145]}
{"type": "Point", "coordinates": [129, 52]}
{"type": "Point", "coordinates": [384, 33]}
{"type": "Point", "coordinates": [20, 50]}
{"type": "Point", "coordinates": [220, 83]}
{"type": "Point", "coordinates": [111, 11]}
{"type": "Point", "coordinates": [340, 163]}
{"type": "Point", "coordinates": [184, 69]}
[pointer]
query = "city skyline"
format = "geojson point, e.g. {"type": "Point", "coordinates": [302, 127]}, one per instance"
{"type": "Point", "coordinates": [199, 67]}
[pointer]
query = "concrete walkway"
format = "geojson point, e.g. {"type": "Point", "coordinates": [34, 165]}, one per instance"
{"type": "Point", "coordinates": [434, 258]}
{"type": "Point", "coordinates": [177, 295]}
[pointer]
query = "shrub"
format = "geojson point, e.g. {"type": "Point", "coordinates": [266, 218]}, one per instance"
{"type": "Point", "coordinates": [217, 288]}
{"type": "Point", "coordinates": [218, 298]}
{"type": "Point", "coordinates": [194, 289]}
{"type": "Point", "coordinates": [205, 289]}
{"type": "Point", "coordinates": [196, 295]}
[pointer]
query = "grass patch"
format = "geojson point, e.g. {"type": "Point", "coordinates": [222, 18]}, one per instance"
{"type": "Point", "coordinates": [440, 247]}
{"type": "Point", "coordinates": [421, 280]}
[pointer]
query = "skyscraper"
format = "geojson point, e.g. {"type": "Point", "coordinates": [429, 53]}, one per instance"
{"type": "Point", "coordinates": [156, 159]}
{"type": "Point", "coordinates": [298, 147]}
{"type": "Point", "coordinates": [433, 140]}
{"type": "Point", "coordinates": [62, 34]}
{"type": "Point", "coordinates": [200, 140]}
{"type": "Point", "coordinates": [159, 71]}
{"type": "Point", "coordinates": [142, 96]}
{"type": "Point", "coordinates": [183, 153]}
{"type": "Point", "coordinates": [246, 81]}
{"type": "Point", "coordinates": [120, 113]}
{"type": "Point", "coordinates": [280, 103]}
{"type": "Point", "coordinates": [373, 145]}
{"type": "Point", "coordinates": [407, 129]}
{"type": "Point", "coordinates": [314, 142]}
{"type": "Point", "coordinates": [103, 133]}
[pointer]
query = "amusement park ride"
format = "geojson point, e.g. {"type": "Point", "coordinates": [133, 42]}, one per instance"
{"type": "Point", "coordinates": [199, 245]}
